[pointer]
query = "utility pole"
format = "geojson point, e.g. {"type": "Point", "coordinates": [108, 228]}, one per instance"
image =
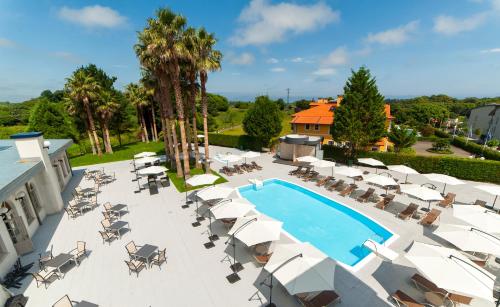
{"type": "Point", "coordinates": [288, 95]}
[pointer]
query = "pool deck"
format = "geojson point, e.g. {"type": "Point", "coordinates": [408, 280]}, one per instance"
{"type": "Point", "coordinates": [195, 276]}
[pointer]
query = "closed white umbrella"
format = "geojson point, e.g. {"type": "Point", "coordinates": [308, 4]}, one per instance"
{"type": "Point", "coordinates": [403, 169]}
{"type": "Point", "coordinates": [443, 179]}
{"type": "Point", "coordinates": [152, 170]}
{"type": "Point", "coordinates": [215, 192]}
{"type": "Point", "coordinates": [201, 180]}
{"type": "Point", "coordinates": [479, 217]}
{"type": "Point", "coordinates": [256, 229]}
{"type": "Point", "coordinates": [146, 160]}
{"type": "Point", "coordinates": [250, 155]}
{"type": "Point", "coordinates": [231, 208]}
{"type": "Point", "coordinates": [470, 239]}
{"type": "Point", "coordinates": [301, 268]}
{"type": "Point", "coordinates": [348, 171]}
{"type": "Point", "coordinates": [145, 154]}
{"type": "Point", "coordinates": [324, 164]}
{"type": "Point", "coordinates": [492, 189]}
{"type": "Point", "coordinates": [421, 192]}
{"type": "Point", "coordinates": [451, 270]}
{"type": "Point", "coordinates": [307, 159]}
{"type": "Point", "coordinates": [370, 161]}
{"type": "Point", "coordinates": [380, 180]}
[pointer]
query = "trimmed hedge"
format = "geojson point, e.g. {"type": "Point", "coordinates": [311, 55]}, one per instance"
{"type": "Point", "coordinates": [463, 168]}
{"type": "Point", "coordinates": [469, 146]}
{"type": "Point", "coordinates": [235, 141]}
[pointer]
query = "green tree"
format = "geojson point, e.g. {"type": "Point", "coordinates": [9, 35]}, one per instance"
{"type": "Point", "coordinates": [50, 119]}
{"type": "Point", "coordinates": [263, 120]}
{"type": "Point", "coordinates": [302, 104]}
{"type": "Point", "coordinates": [402, 137]}
{"type": "Point", "coordinates": [281, 103]}
{"type": "Point", "coordinates": [360, 118]}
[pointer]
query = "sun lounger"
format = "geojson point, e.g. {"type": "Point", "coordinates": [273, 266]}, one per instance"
{"type": "Point", "coordinates": [304, 172]}
{"type": "Point", "coordinates": [335, 185]}
{"type": "Point", "coordinates": [408, 212]}
{"type": "Point", "coordinates": [348, 191]}
{"type": "Point", "coordinates": [403, 299]}
{"type": "Point", "coordinates": [364, 198]}
{"type": "Point", "coordinates": [311, 176]}
{"type": "Point", "coordinates": [479, 202]}
{"type": "Point", "coordinates": [423, 283]}
{"type": "Point", "coordinates": [447, 201]}
{"type": "Point", "coordinates": [295, 171]}
{"type": "Point", "coordinates": [246, 167]}
{"type": "Point", "coordinates": [226, 170]}
{"type": "Point", "coordinates": [323, 181]}
{"type": "Point", "coordinates": [323, 298]}
{"type": "Point", "coordinates": [256, 166]}
{"type": "Point", "coordinates": [384, 202]}
{"type": "Point", "coordinates": [228, 223]}
{"type": "Point", "coordinates": [238, 169]}
{"type": "Point", "coordinates": [430, 217]}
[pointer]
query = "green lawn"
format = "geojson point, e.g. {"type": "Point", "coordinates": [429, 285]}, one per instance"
{"type": "Point", "coordinates": [6, 132]}
{"type": "Point", "coordinates": [285, 122]}
{"type": "Point", "coordinates": [179, 182]}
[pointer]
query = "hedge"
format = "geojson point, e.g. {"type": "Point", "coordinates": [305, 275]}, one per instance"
{"type": "Point", "coordinates": [469, 146]}
{"type": "Point", "coordinates": [463, 168]}
{"type": "Point", "coordinates": [235, 141]}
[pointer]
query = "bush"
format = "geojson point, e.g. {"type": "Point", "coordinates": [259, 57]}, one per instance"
{"type": "Point", "coordinates": [441, 133]}
{"type": "Point", "coordinates": [476, 149]}
{"type": "Point", "coordinates": [235, 141]}
{"type": "Point", "coordinates": [427, 130]}
{"type": "Point", "coordinates": [493, 143]}
{"type": "Point", "coordinates": [442, 145]}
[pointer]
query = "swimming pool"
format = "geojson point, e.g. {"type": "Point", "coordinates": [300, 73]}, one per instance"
{"type": "Point", "coordinates": [335, 229]}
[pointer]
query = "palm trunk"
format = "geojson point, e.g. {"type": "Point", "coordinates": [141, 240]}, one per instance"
{"type": "Point", "coordinates": [203, 81]}
{"type": "Point", "coordinates": [92, 126]}
{"type": "Point", "coordinates": [91, 139]}
{"type": "Point", "coordinates": [145, 128]}
{"type": "Point", "coordinates": [165, 124]}
{"type": "Point", "coordinates": [195, 130]}
{"type": "Point", "coordinates": [155, 132]}
{"type": "Point", "coordinates": [171, 126]}
{"type": "Point", "coordinates": [107, 140]}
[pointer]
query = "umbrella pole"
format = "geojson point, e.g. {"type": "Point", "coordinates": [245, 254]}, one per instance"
{"type": "Point", "coordinates": [406, 179]}
{"type": "Point", "coordinates": [139, 189]}
{"type": "Point", "coordinates": [198, 217]}
{"type": "Point", "coordinates": [495, 201]}
{"type": "Point", "coordinates": [212, 237]}
{"type": "Point", "coordinates": [271, 293]}
{"type": "Point", "coordinates": [444, 188]}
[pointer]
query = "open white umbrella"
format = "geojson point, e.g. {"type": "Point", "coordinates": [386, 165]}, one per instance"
{"type": "Point", "coordinates": [380, 180]}
{"type": "Point", "coordinates": [201, 180]}
{"type": "Point", "coordinates": [231, 208]}
{"type": "Point", "coordinates": [371, 162]}
{"type": "Point", "coordinates": [403, 169]}
{"type": "Point", "coordinates": [301, 268]}
{"type": "Point", "coordinates": [256, 229]}
{"type": "Point", "coordinates": [307, 159]}
{"type": "Point", "coordinates": [215, 192]}
{"type": "Point", "coordinates": [443, 179]}
{"type": "Point", "coordinates": [146, 160]}
{"type": "Point", "coordinates": [348, 171]}
{"type": "Point", "coordinates": [479, 217]}
{"type": "Point", "coordinates": [421, 192]}
{"type": "Point", "coordinates": [324, 164]}
{"type": "Point", "coordinates": [492, 189]}
{"type": "Point", "coordinates": [250, 155]}
{"type": "Point", "coordinates": [152, 170]}
{"type": "Point", "coordinates": [229, 158]}
{"type": "Point", "coordinates": [451, 270]}
{"type": "Point", "coordinates": [145, 154]}
{"type": "Point", "coordinates": [468, 238]}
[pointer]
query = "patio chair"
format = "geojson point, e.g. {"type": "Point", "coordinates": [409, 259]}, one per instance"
{"type": "Point", "coordinates": [159, 258]}
{"type": "Point", "coordinates": [63, 302]}
{"type": "Point", "coordinates": [45, 278]}
{"type": "Point", "coordinates": [408, 212]}
{"type": "Point", "coordinates": [384, 202]}
{"type": "Point", "coordinates": [479, 202]}
{"type": "Point", "coordinates": [348, 190]}
{"type": "Point", "coordinates": [109, 215]}
{"type": "Point", "coordinates": [132, 249]}
{"type": "Point", "coordinates": [448, 200]}
{"type": "Point", "coordinates": [108, 236]}
{"type": "Point", "coordinates": [165, 181]}
{"type": "Point", "coordinates": [72, 213]}
{"type": "Point", "coordinates": [335, 185]}
{"type": "Point", "coordinates": [364, 198]}
{"type": "Point", "coordinates": [93, 202]}
{"type": "Point", "coordinates": [318, 299]}
{"type": "Point", "coordinates": [79, 251]}
{"type": "Point", "coordinates": [42, 258]}
{"type": "Point", "coordinates": [323, 181]}
{"type": "Point", "coordinates": [402, 299]}
{"type": "Point", "coordinates": [135, 266]}
{"type": "Point", "coordinates": [106, 223]}
{"type": "Point", "coordinates": [256, 166]}
{"type": "Point", "coordinates": [430, 217]}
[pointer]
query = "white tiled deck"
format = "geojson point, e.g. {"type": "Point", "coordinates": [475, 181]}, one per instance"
{"type": "Point", "coordinates": [193, 275]}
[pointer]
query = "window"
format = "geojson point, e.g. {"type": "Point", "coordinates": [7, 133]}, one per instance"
{"type": "Point", "coordinates": [307, 127]}
{"type": "Point", "coordinates": [63, 168]}
{"type": "Point", "coordinates": [26, 208]}
{"type": "Point", "coordinates": [33, 196]}
{"type": "Point", "coordinates": [316, 127]}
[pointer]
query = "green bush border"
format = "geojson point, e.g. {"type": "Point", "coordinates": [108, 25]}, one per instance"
{"type": "Point", "coordinates": [470, 146]}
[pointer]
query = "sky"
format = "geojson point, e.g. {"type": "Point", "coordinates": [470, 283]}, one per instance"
{"type": "Point", "coordinates": [411, 47]}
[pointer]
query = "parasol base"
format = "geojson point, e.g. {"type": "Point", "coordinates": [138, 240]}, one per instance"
{"type": "Point", "coordinates": [425, 209]}
{"type": "Point", "coordinates": [209, 245]}
{"type": "Point", "coordinates": [200, 218]}
{"type": "Point", "coordinates": [195, 224]}
{"type": "Point", "coordinates": [236, 267]}
{"type": "Point", "coordinates": [213, 237]}
{"type": "Point", "coordinates": [232, 278]}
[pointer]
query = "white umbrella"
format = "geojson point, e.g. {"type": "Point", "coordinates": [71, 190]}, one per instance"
{"type": "Point", "coordinates": [403, 169]}
{"type": "Point", "coordinates": [380, 180]}
{"type": "Point", "coordinates": [421, 192]}
{"type": "Point", "coordinates": [492, 189]}
{"type": "Point", "coordinates": [145, 154]}
{"type": "Point", "coordinates": [215, 192]}
{"type": "Point", "coordinates": [443, 179]}
{"type": "Point", "coordinates": [201, 180]}
{"type": "Point", "coordinates": [312, 271]}
{"type": "Point", "coordinates": [324, 164]}
{"type": "Point", "coordinates": [451, 270]}
{"type": "Point", "coordinates": [231, 208]}
{"type": "Point", "coordinates": [230, 158]}
{"type": "Point", "coordinates": [147, 160]}
{"type": "Point", "coordinates": [250, 155]}
{"type": "Point", "coordinates": [468, 238]}
{"type": "Point", "coordinates": [370, 161]}
{"type": "Point", "coordinates": [307, 159]}
{"type": "Point", "coordinates": [256, 229]}
{"type": "Point", "coordinates": [152, 170]}
{"type": "Point", "coordinates": [200, 136]}
{"type": "Point", "coordinates": [479, 217]}
{"type": "Point", "coordinates": [348, 171]}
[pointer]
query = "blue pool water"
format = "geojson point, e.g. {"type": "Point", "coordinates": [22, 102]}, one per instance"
{"type": "Point", "coordinates": [335, 229]}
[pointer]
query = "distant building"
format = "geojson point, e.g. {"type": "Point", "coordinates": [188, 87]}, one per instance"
{"type": "Point", "coordinates": [318, 119]}
{"type": "Point", "coordinates": [487, 119]}
{"type": "Point", "coordinates": [33, 173]}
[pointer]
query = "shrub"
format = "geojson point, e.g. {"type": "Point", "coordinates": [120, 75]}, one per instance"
{"type": "Point", "coordinates": [476, 148]}
{"type": "Point", "coordinates": [493, 143]}
{"type": "Point", "coordinates": [235, 141]}
{"type": "Point", "coordinates": [427, 130]}
{"type": "Point", "coordinates": [441, 145]}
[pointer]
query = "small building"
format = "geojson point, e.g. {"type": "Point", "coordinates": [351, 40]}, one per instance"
{"type": "Point", "coordinates": [318, 119]}
{"type": "Point", "coordinates": [293, 146]}
{"type": "Point", "coordinates": [487, 119]}
{"type": "Point", "coordinates": [33, 173]}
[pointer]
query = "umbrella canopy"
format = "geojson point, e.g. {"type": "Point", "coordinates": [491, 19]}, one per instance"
{"type": "Point", "coordinates": [152, 170]}
{"type": "Point", "coordinates": [256, 229]}
{"type": "Point", "coordinates": [250, 154]}
{"type": "Point", "coordinates": [230, 158]}
{"type": "Point", "coordinates": [324, 164]}
{"type": "Point", "coordinates": [145, 154]}
{"type": "Point", "coordinates": [479, 217]}
{"type": "Point", "coordinates": [307, 159]}
{"type": "Point", "coordinates": [314, 271]}
{"type": "Point", "coordinates": [215, 192]}
{"type": "Point", "coordinates": [381, 180]}
{"type": "Point", "coordinates": [147, 160]}
{"type": "Point", "coordinates": [420, 192]}
{"type": "Point", "coordinates": [492, 189]}
{"type": "Point", "coordinates": [469, 238]}
{"type": "Point", "coordinates": [451, 270]}
{"type": "Point", "coordinates": [348, 171]}
{"type": "Point", "coordinates": [232, 208]}
{"type": "Point", "coordinates": [201, 180]}
{"type": "Point", "coordinates": [403, 169]}
{"type": "Point", "coordinates": [443, 179]}
{"type": "Point", "coordinates": [371, 161]}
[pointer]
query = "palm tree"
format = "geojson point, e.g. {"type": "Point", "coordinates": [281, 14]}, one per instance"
{"type": "Point", "coordinates": [208, 60]}
{"type": "Point", "coordinates": [105, 109]}
{"type": "Point", "coordinates": [138, 98]}
{"type": "Point", "coordinates": [84, 88]}
{"type": "Point", "coordinates": [402, 137]}
{"type": "Point", "coordinates": [74, 108]}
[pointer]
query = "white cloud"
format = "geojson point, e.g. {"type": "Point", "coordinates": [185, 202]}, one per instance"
{"type": "Point", "coordinates": [297, 60]}
{"type": "Point", "coordinates": [449, 25]}
{"type": "Point", "coordinates": [278, 69]}
{"type": "Point", "coordinates": [394, 36]}
{"type": "Point", "coordinates": [6, 42]}
{"type": "Point", "coordinates": [264, 23]}
{"type": "Point", "coordinates": [337, 57]}
{"type": "Point", "coordinates": [272, 60]}
{"type": "Point", "coordinates": [93, 16]}
{"type": "Point", "coordinates": [324, 72]}
{"type": "Point", "coordinates": [492, 50]}
{"type": "Point", "coordinates": [244, 58]}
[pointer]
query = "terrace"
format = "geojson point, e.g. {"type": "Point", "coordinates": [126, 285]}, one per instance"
{"type": "Point", "coordinates": [194, 275]}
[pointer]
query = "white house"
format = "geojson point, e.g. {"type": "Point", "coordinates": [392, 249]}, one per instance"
{"type": "Point", "coordinates": [486, 118]}
{"type": "Point", "coordinates": [33, 173]}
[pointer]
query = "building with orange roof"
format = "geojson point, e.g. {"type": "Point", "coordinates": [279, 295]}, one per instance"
{"type": "Point", "coordinates": [318, 119]}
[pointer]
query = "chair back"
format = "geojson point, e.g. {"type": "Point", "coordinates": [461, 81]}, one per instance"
{"type": "Point", "coordinates": [107, 215]}
{"type": "Point", "coordinates": [38, 277]}
{"type": "Point", "coordinates": [63, 302]}
{"type": "Point", "coordinates": [80, 245]}
{"type": "Point", "coordinates": [106, 223]}
{"type": "Point", "coordinates": [131, 247]}
{"type": "Point", "coordinates": [104, 235]}
{"type": "Point", "coordinates": [94, 200]}
{"type": "Point", "coordinates": [162, 255]}
{"type": "Point", "coordinates": [131, 265]}
{"type": "Point", "coordinates": [451, 196]}
{"type": "Point", "coordinates": [479, 202]}
{"type": "Point", "coordinates": [107, 205]}
{"type": "Point", "coordinates": [370, 191]}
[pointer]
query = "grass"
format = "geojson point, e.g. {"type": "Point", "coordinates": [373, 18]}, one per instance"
{"type": "Point", "coordinates": [7, 131]}
{"type": "Point", "coordinates": [285, 123]}
{"type": "Point", "coordinates": [179, 182]}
